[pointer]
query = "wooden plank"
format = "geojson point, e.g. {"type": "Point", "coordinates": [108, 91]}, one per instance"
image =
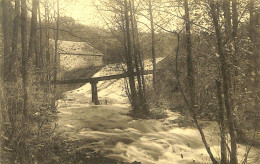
{"type": "Point", "coordinates": [96, 79]}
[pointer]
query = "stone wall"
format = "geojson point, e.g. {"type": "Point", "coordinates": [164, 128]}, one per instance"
{"type": "Point", "coordinates": [70, 62]}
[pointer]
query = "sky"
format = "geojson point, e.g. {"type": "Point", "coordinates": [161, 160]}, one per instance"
{"type": "Point", "coordinates": [83, 11]}
{"type": "Point", "coordinates": [86, 12]}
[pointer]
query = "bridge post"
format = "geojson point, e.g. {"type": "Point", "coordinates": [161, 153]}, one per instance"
{"type": "Point", "coordinates": [94, 93]}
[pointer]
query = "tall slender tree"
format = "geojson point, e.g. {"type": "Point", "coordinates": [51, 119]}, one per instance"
{"type": "Point", "coordinates": [9, 58]}
{"type": "Point", "coordinates": [134, 49]}
{"type": "Point", "coordinates": [136, 53]}
{"type": "Point", "coordinates": [47, 60]}
{"type": "Point", "coordinates": [191, 81]}
{"type": "Point", "coordinates": [153, 46]}
{"type": "Point", "coordinates": [141, 62]}
{"type": "Point", "coordinates": [32, 39]}
{"type": "Point", "coordinates": [15, 40]}
{"type": "Point", "coordinates": [24, 57]}
{"type": "Point", "coordinates": [56, 57]}
{"type": "Point", "coordinates": [40, 37]}
{"type": "Point", "coordinates": [129, 60]}
{"type": "Point", "coordinates": [227, 17]}
{"type": "Point", "coordinates": [6, 24]}
{"type": "Point", "coordinates": [254, 34]}
{"type": "Point", "coordinates": [225, 77]}
{"type": "Point", "coordinates": [221, 121]}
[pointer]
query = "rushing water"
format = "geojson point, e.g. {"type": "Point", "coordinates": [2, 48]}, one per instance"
{"type": "Point", "coordinates": [111, 130]}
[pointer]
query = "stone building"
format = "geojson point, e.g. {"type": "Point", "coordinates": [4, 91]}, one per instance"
{"type": "Point", "coordinates": [76, 55]}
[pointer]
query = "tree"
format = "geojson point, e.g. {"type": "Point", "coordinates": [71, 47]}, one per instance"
{"type": "Point", "coordinates": [47, 58]}
{"type": "Point", "coordinates": [124, 27]}
{"type": "Point", "coordinates": [191, 81]}
{"type": "Point", "coordinates": [32, 40]}
{"type": "Point", "coordinates": [6, 23]}
{"type": "Point", "coordinates": [153, 46]}
{"type": "Point", "coordinates": [9, 58]}
{"type": "Point", "coordinates": [15, 40]}
{"type": "Point", "coordinates": [18, 128]}
{"type": "Point", "coordinates": [56, 57]}
{"type": "Point", "coordinates": [254, 60]}
{"type": "Point", "coordinates": [221, 121]}
{"type": "Point", "coordinates": [41, 62]}
{"type": "Point", "coordinates": [225, 77]}
{"type": "Point", "coordinates": [129, 59]}
{"type": "Point", "coordinates": [24, 57]}
{"type": "Point", "coordinates": [138, 60]}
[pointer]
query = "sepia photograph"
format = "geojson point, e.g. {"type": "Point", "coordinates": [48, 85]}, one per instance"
{"type": "Point", "coordinates": [129, 82]}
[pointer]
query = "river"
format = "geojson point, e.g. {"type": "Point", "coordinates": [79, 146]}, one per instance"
{"type": "Point", "coordinates": [110, 130]}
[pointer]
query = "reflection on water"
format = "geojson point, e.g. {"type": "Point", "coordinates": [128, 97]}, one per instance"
{"type": "Point", "coordinates": [111, 130]}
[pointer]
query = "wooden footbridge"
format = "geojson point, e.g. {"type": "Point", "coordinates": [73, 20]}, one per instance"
{"type": "Point", "coordinates": [94, 80]}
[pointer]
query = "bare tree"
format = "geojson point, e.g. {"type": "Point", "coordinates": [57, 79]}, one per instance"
{"type": "Point", "coordinates": [32, 40]}
{"type": "Point", "coordinates": [221, 121]}
{"type": "Point", "coordinates": [254, 37]}
{"type": "Point", "coordinates": [24, 57]}
{"type": "Point", "coordinates": [47, 59]}
{"type": "Point", "coordinates": [6, 23]}
{"type": "Point", "coordinates": [56, 57]}
{"type": "Point", "coordinates": [191, 81]}
{"type": "Point", "coordinates": [225, 77]}
{"type": "Point", "coordinates": [40, 38]}
{"type": "Point", "coordinates": [129, 59]}
{"type": "Point", "coordinates": [15, 40]}
{"type": "Point", "coordinates": [10, 41]}
{"type": "Point", "coordinates": [153, 46]}
{"type": "Point", "coordinates": [137, 59]}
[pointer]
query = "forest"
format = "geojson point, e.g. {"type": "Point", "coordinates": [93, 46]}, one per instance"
{"type": "Point", "coordinates": [178, 81]}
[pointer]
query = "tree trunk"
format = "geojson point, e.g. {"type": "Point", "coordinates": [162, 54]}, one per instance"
{"type": "Point", "coordinates": [24, 57]}
{"type": "Point", "coordinates": [136, 51]}
{"type": "Point", "coordinates": [129, 63]}
{"type": "Point", "coordinates": [234, 21]}
{"type": "Point", "coordinates": [6, 24]}
{"type": "Point", "coordinates": [190, 67]}
{"type": "Point", "coordinates": [229, 39]}
{"type": "Point", "coordinates": [254, 36]}
{"type": "Point", "coordinates": [227, 17]}
{"type": "Point", "coordinates": [40, 38]}
{"type": "Point", "coordinates": [228, 35]}
{"type": "Point", "coordinates": [140, 59]}
{"type": "Point", "coordinates": [15, 40]}
{"type": "Point", "coordinates": [9, 60]}
{"type": "Point", "coordinates": [224, 67]}
{"type": "Point", "coordinates": [221, 113]}
{"type": "Point", "coordinates": [125, 51]}
{"type": "Point", "coordinates": [191, 81]}
{"type": "Point", "coordinates": [241, 137]}
{"type": "Point", "coordinates": [235, 43]}
{"type": "Point", "coordinates": [251, 20]}
{"type": "Point", "coordinates": [32, 40]}
{"type": "Point", "coordinates": [12, 100]}
{"type": "Point", "coordinates": [153, 47]}
{"type": "Point", "coordinates": [47, 61]}
{"type": "Point", "coordinates": [56, 58]}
